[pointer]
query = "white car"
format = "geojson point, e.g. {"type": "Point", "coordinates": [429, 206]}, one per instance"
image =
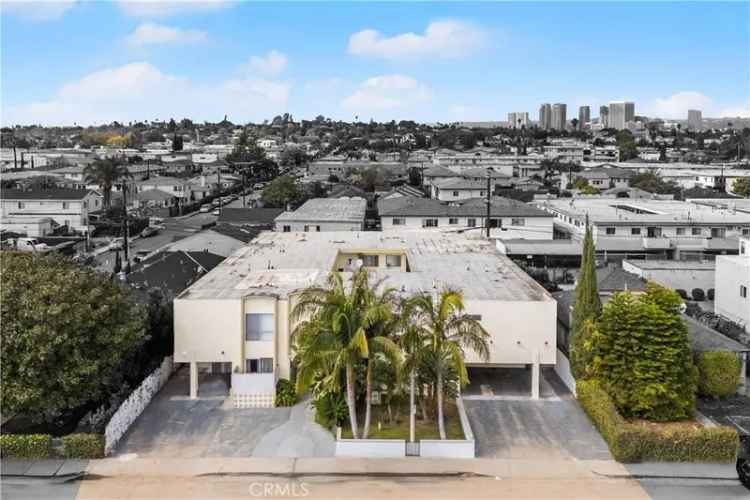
{"type": "Point", "coordinates": [205, 208]}
{"type": "Point", "coordinates": [216, 212]}
{"type": "Point", "coordinates": [31, 245]}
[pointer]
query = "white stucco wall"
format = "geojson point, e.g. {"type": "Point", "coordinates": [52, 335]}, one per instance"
{"type": "Point", "coordinates": [324, 226]}
{"type": "Point", "coordinates": [534, 228]}
{"type": "Point", "coordinates": [208, 331]}
{"type": "Point", "coordinates": [731, 272]}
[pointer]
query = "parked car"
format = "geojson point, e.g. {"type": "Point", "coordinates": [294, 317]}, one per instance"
{"type": "Point", "coordinates": [259, 185]}
{"type": "Point", "coordinates": [216, 212]}
{"type": "Point", "coordinates": [149, 231]}
{"type": "Point", "coordinates": [117, 244]}
{"type": "Point", "coordinates": [743, 461]}
{"type": "Point", "coordinates": [205, 208]}
{"type": "Point", "coordinates": [216, 202]}
{"type": "Point", "coordinates": [31, 245]}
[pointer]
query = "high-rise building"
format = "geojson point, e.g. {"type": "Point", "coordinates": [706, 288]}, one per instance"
{"type": "Point", "coordinates": [604, 116]}
{"type": "Point", "coordinates": [695, 119]}
{"type": "Point", "coordinates": [545, 116]}
{"type": "Point", "coordinates": [559, 118]}
{"type": "Point", "coordinates": [620, 113]}
{"type": "Point", "coordinates": [518, 119]}
{"type": "Point", "coordinates": [584, 116]}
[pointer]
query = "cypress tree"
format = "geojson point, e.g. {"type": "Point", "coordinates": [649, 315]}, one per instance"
{"type": "Point", "coordinates": [588, 307]}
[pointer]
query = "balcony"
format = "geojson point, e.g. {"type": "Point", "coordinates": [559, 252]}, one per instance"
{"type": "Point", "coordinates": [657, 243]}
{"type": "Point", "coordinates": [253, 383]}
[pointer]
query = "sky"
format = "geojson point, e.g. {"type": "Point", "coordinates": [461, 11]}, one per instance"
{"type": "Point", "coordinates": [92, 62]}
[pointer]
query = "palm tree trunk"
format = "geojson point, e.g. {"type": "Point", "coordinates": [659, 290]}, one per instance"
{"type": "Point", "coordinates": [350, 400]}
{"type": "Point", "coordinates": [412, 407]}
{"type": "Point", "coordinates": [368, 397]}
{"type": "Point", "coordinates": [441, 422]}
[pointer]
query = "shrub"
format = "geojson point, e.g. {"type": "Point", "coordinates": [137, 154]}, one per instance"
{"type": "Point", "coordinates": [698, 294]}
{"type": "Point", "coordinates": [331, 409]}
{"type": "Point", "coordinates": [25, 446]}
{"type": "Point", "coordinates": [286, 395]}
{"type": "Point", "coordinates": [682, 293]}
{"type": "Point", "coordinates": [83, 445]}
{"type": "Point", "coordinates": [719, 373]}
{"type": "Point", "coordinates": [710, 294]}
{"type": "Point", "coordinates": [634, 442]}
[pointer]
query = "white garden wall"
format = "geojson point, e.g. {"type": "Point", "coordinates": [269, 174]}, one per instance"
{"type": "Point", "coordinates": [382, 448]}
{"type": "Point", "coordinates": [562, 368]}
{"type": "Point", "coordinates": [132, 407]}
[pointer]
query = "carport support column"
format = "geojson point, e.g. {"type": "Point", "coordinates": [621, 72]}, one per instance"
{"type": "Point", "coordinates": [193, 380]}
{"type": "Point", "coordinates": [535, 376]}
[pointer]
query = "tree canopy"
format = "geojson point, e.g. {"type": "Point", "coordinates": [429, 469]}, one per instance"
{"type": "Point", "coordinates": [65, 330]}
{"type": "Point", "coordinates": [282, 191]}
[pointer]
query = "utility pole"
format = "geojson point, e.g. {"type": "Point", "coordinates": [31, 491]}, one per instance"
{"type": "Point", "coordinates": [125, 228]}
{"type": "Point", "coordinates": [489, 199]}
{"type": "Point", "coordinates": [218, 173]}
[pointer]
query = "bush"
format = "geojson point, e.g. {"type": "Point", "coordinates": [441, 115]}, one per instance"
{"type": "Point", "coordinates": [698, 294]}
{"type": "Point", "coordinates": [83, 445]}
{"type": "Point", "coordinates": [710, 294]}
{"type": "Point", "coordinates": [634, 442]}
{"type": "Point", "coordinates": [682, 293]}
{"type": "Point", "coordinates": [25, 446]}
{"type": "Point", "coordinates": [331, 409]}
{"type": "Point", "coordinates": [719, 373]}
{"type": "Point", "coordinates": [286, 395]}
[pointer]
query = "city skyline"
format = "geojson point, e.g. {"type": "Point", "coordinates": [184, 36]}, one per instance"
{"type": "Point", "coordinates": [143, 61]}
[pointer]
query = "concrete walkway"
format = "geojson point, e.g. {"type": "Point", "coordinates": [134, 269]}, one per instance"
{"type": "Point", "coordinates": [300, 436]}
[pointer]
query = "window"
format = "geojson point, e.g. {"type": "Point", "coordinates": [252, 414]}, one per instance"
{"type": "Point", "coordinates": [287, 229]}
{"type": "Point", "coordinates": [65, 205]}
{"type": "Point", "coordinates": [635, 231]}
{"type": "Point", "coordinates": [746, 231]}
{"type": "Point", "coordinates": [452, 221]}
{"type": "Point", "coordinates": [680, 231]}
{"type": "Point", "coordinates": [496, 223]}
{"type": "Point", "coordinates": [21, 204]}
{"type": "Point", "coordinates": [718, 232]}
{"type": "Point", "coordinates": [393, 261]}
{"type": "Point", "coordinates": [743, 291]}
{"type": "Point", "coordinates": [317, 229]}
{"type": "Point", "coordinates": [307, 229]}
{"type": "Point", "coordinates": [471, 223]}
{"type": "Point", "coordinates": [455, 193]}
{"type": "Point", "coordinates": [262, 365]}
{"type": "Point", "coordinates": [609, 230]}
{"type": "Point", "coordinates": [259, 327]}
{"type": "Point", "coordinates": [429, 223]}
{"type": "Point", "coordinates": [653, 232]}
{"type": "Point", "coordinates": [398, 221]}
{"type": "Point", "coordinates": [518, 222]}
{"type": "Point", "coordinates": [696, 231]}
{"type": "Point", "coordinates": [481, 193]}
{"type": "Point", "coordinates": [370, 260]}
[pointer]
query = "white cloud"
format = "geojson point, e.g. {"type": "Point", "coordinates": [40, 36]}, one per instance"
{"type": "Point", "coordinates": [741, 110]}
{"type": "Point", "coordinates": [156, 34]}
{"type": "Point", "coordinates": [448, 38]}
{"type": "Point", "coordinates": [165, 8]}
{"type": "Point", "coordinates": [140, 91]}
{"type": "Point", "coordinates": [37, 10]}
{"type": "Point", "coordinates": [273, 63]}
{"type": "Point", "coordinates": [387, 92]}
{"type": "Point", "coordinates": [677, 105]}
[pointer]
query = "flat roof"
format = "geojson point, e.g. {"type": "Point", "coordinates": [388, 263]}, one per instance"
{"type": "Point", "coordinates": [681, 265]}
{"type": "Point", "coordinates": [629, 211]}
{"type": "Point", "coordinates": [278, 264]}
{"type": "Point", "coordinates": [328, 210]}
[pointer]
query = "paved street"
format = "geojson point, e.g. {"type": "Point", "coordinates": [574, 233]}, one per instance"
{"type": "Point", "coordinates": [175, 426]}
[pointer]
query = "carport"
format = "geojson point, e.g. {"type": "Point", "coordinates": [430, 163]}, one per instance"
{"type": "Point", "coordinates": [507, 383]}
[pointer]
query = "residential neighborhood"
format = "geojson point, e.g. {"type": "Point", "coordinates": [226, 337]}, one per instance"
{"type": "Point", "coordinates": [358, 262]}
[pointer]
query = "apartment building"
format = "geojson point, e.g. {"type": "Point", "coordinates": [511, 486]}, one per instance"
{"type": "Point", "coordinates": [237, 318]}
{"type": "Point", "coordinates": [732, 298]}
{"type": "Point", "coordinates": [324, 215]}
{"type": "Point", "coordinates": [22, 210]}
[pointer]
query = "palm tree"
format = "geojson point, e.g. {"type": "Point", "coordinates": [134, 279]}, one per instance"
{"type": "Point", "coordinates": [413, 342]}
{"type": "Point", "coordinates": [331, 335]}
{"type": "Point", "coordinates": [105, 172]}
{"type": "Point", "coordinates": [381, 325]}
{"type": "Point", "coordinates": [449, 331]}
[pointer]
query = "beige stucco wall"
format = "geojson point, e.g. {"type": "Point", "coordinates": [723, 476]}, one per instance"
{"type": "Point", "coordinates": [508, 323]}
{"type": "Point", "coordinates": [208, 330]}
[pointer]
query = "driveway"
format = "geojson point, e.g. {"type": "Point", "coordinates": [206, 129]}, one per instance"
{"type": "Point", "coordinates": [512, 425]}
{"type": "Point", "coordinates": [173, 425]}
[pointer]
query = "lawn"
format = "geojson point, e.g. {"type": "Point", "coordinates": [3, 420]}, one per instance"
{"type": "Point", "coordinates": [381, 429]}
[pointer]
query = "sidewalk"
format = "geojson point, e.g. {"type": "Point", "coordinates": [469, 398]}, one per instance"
{"type": "Point", "coordinates": [384, 467]}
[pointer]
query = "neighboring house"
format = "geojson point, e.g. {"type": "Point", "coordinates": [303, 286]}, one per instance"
{"type": "Point", "coordinates": [171, 272]}
{"type": "Point", "coordinates": [677, 274]}
{"type": "Point", "coordinates": [252, 217]}
{"type": "Point", "coordinates": [603, 177]}
{"type": "Point", "coordinates": [458, 189]}
{"type": "Point", "coordinates": [732, 289]}
{"type": "Point", "coordinates": [66, 207]}
{"type": "Point", "coordinates": [153, 198]}
{"type": "Point", "coordinates": [508, 218]}
{"type": "Point", "coordinates": [222, 239]}
{"type": "Point", "coordinates": [237, 319]}
{"type": "Point", "coordinates": [324, 214]}
{"type": "Point", "coordinates": [179, 188]}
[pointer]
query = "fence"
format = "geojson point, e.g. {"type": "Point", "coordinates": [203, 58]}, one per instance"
{"type": "Point", "coordinates": [132, 407]}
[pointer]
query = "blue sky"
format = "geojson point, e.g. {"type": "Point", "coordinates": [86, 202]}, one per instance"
{"type": "Point", "coordinates": [97, 61]}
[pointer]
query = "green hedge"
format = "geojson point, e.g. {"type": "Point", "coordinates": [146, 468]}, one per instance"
{"type": "Point", "coordinates": [632, 442]}
{"type": "Point", "coordinates": [286, 394]}
{"type": "Point", "coordinates": [83, 445]}
{"type": "Point", "coordinates": [26, 446]}
{"type": "Point", "coordinates": [719, 373]}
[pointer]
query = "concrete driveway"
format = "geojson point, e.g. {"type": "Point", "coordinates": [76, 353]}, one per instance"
{"type": "Point", "coordinates": [175, 426]}
{"type": "Point", "coordinates": [512, 425]}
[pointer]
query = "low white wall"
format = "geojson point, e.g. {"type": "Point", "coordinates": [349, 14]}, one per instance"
{"type": "Point", "coordinates": [132, 407]}
{"type": "Point", "coordinates": [388, 448]}
{"type": "Point", "coordinates": [449, 448]}
{"type": "Point", "coordinates": [562, 368]}
{"type": "Point", "coordinates": [253, 383]}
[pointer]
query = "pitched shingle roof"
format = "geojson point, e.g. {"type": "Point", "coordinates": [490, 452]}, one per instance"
{"type": "Point", "coordinates": [45, 194]}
